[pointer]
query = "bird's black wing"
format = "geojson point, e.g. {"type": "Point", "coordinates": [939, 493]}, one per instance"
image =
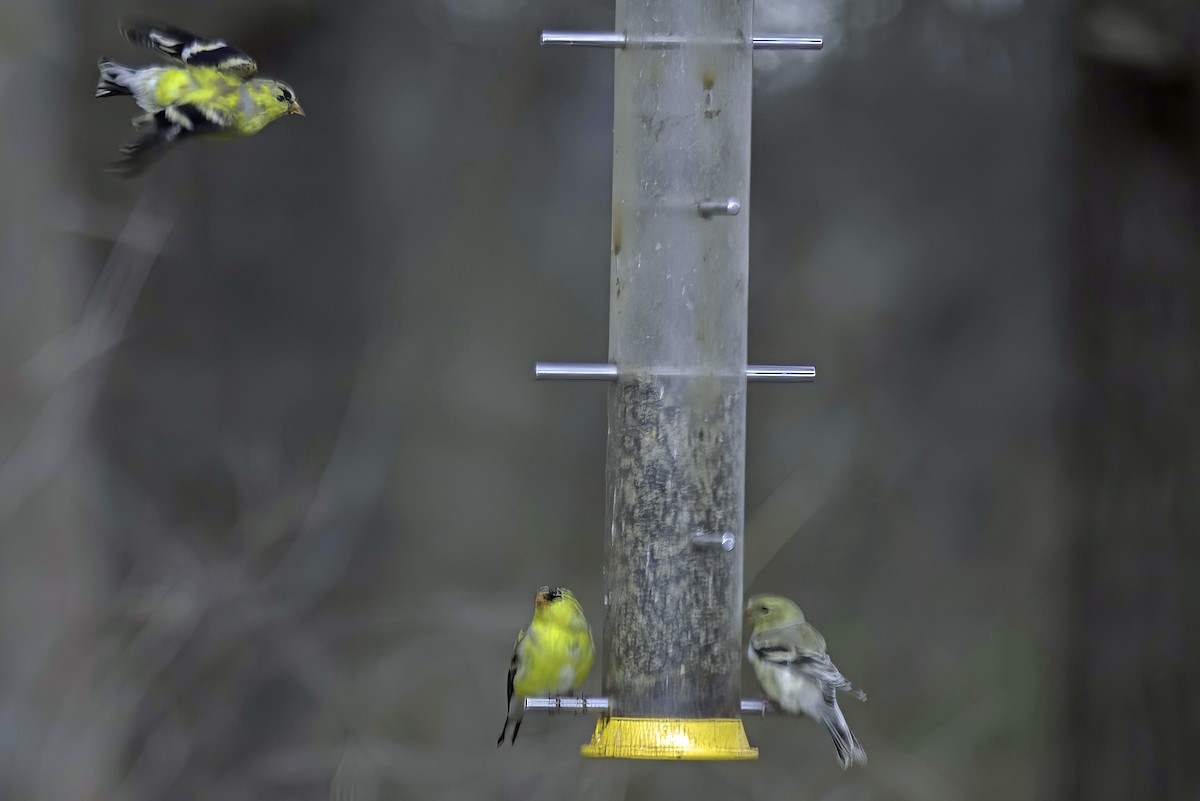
{"type": "Point", "coordinates": [188, 48]}
{"type": "Point", "coordinates": [512, 675]}
{"type": "Point", "coordinates": [814, 665]}
{"type": "Point", "coordinates": [779, 650]}
{"type": "Point", "coordinates": [512, 671]}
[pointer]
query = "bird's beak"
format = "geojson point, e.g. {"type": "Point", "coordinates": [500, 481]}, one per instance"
{"type": "Point", "coordinates": [294, 108]}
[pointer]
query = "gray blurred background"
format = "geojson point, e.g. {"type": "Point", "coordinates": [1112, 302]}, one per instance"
{"type": "Point", "coordinates": [277, 486]}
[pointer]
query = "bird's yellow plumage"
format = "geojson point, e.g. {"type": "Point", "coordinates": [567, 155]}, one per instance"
{"type": "Point", "coordinates": [552, 656]}
{"type": "Point", "coordinates": [210, 90]}
{"type": "Point", "coordinates": [176, 84]}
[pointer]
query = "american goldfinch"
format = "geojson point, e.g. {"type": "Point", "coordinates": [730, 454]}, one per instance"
{"type": "Point", "coordinates": [554, 655]}
{"type": "Point", "coordinates": [789, 658]}
{"type": "Point", "coordinates": [209, 88]}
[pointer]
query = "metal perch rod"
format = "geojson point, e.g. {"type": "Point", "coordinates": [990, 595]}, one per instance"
{"type": "Point", "coordinates": [598, 703]}
{"type": "Point", "coordinates": [611, 39]}
{"type": "Point", "coordinates": [762, 373]}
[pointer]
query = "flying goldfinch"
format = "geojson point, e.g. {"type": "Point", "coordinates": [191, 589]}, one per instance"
{"type": "Point", "coordinates": [789, 658]}
{"type": "Point", "coordinates": [209, 89]}
{"type": "Point", "coordinates": [553, 656]}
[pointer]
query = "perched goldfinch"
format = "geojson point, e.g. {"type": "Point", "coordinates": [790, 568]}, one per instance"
{"type": "Point", "coordinates": [553, 656]}
{"type": "Point", "coordinates": [789, 658]}
{"type": "Point", "coordinates": [209, 89]}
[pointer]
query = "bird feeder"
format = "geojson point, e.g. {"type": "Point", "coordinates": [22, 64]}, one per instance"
{"type": "Point", "coordinates": [677, 374]}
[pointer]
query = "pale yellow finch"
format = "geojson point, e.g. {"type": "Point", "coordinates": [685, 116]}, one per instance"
{"type": "Point", "coordinates": [789, 658]}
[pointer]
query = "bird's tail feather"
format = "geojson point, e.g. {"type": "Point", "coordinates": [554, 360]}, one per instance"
{"type": "Point", "coordinates": [113, 79]}
{"type": "Point", "coordinates": [848, 748]}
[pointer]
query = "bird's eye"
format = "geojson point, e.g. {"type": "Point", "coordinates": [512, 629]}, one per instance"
{"type": "Point", "coordinates": [763, 609]}
{"type": "Point", "coordinates": [281, 97]}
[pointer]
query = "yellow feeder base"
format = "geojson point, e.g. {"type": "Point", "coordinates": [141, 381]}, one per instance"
{"type": "Point", "coordinates": [669, 738]}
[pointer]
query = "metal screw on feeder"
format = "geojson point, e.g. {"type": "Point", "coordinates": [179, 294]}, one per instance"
{"type": "Point", "coordinates": [719, 208]}
{"type": "Point", "coordinates": [678, 374]}
{"type": "Point", "coordinates": [714, 539]}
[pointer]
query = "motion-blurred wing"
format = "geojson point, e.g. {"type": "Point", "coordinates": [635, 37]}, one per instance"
{"type": "Point", "coordinates": [165, 128]}
{"type": "Point", "coordinates": [188, 48]}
